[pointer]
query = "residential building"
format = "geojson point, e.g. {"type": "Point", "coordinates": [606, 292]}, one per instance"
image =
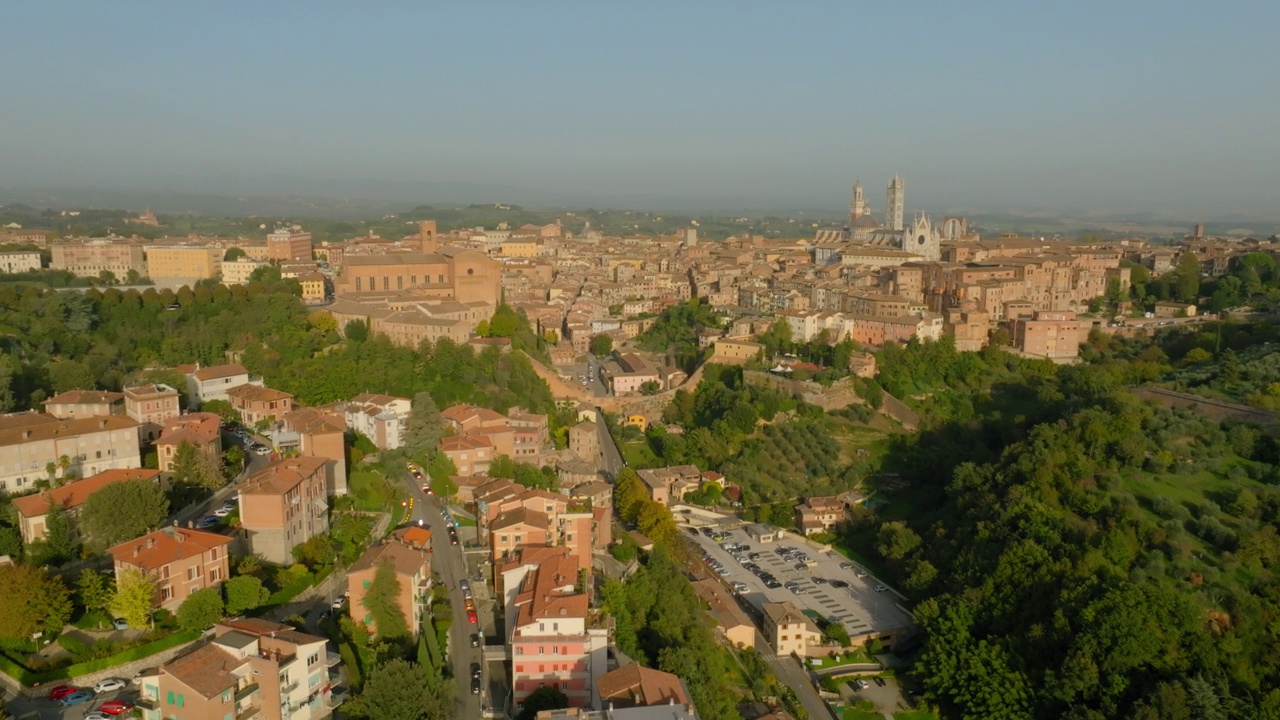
{"type": "Point", "coordinates": [1170, 309]}
{"type": "Point", "coordinates": [238, 272]}
{"type": "Point", "coordinates": [471, 454]}
{"type": "Point", "coordinates": [286, 245]}
{"type": "Point", "coordinates": [90, 258]}
{"type": "Point", "coordinates": [731, 621]}
{"type": "Point", "coordinates": [381, 418]}
{"type": "Point", "coordinates": [74, 404]}
{"type": "Point", "coordinates": [1048, 334]}
{"type": "Point", "coordinates": [183, 264]}
{"type": "Point", "coordinates": [200, 430]}
{"type": "Point", "coordinates": [819, 514]}
{"type": "Point", "coordinates": [788, 630]}
{"type": "Point", "coordinates": [635, 685]}
{"type": "Point", "coordinates": [321, 433]}
{"type": "Point", "coordinates": [284, 505]}
{"type": "Point", "coordinates": [410, 560]}
{"type": "Point", "coordinates": [584, 441]}
{"type": "Point", "coordinates": [736, 350]}
{"type": "Point", "coordinates": [215, 381]}
{"type": "Point", "coordinates": [668, 485]}
{"type": "Point", "coordinates": [12, 263]}
{"type": "Point", "coordinates": [522, 436]}
{"type": "Point", "coordinates": [180, 561]}
{"type": "Point", "coordinates": [315, 288]}
{"type": "Point", "coordinates": [153, 406]}
{"type": "Point", "coordinates": [31, 442]}
{"type": "Point", "coordinates": [251, 668]}
{"type": "Point", "coordinates": [33, 509]}
{"type": "Point", "coordinates": [259, 404]}
{"type": "Point", "coordinates": [628, 374]}
{"type": "Point", "coordinates": [555, 640]}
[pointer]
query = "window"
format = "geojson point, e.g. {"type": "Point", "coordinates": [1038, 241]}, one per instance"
{"type": "Point", "coordinates": [181, 699]}
{"type": "Point", "coordinates": [555, 627]}
{"type": "Point", "coordinates": [366, 584]}
{"type": "Point", "coordinates": [226, 696]}
{"type": "Point", "coordinates": [313, 659]}
{"type": "Point", "coordinates": [358, 284]}
{"type": "Point", "coordinates": [555, 650]}
{"type": "Point", "coordinates": [169, 697]}
{"type": "Point", "coordinates": [541, 651]}
{"type": "Point", "coordinates": [386, 283]}
{"type": "Point", "coordinates": [213, 554]}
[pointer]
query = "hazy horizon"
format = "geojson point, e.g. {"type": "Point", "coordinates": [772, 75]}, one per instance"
{"type": "Point", "coordinates": [1144, 107]}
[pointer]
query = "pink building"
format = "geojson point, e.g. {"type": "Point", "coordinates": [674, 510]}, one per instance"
{"type": "Point", "coordinates": [555, 640]}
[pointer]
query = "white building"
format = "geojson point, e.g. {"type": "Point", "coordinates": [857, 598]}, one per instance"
{"type": "Point", "coordinates": [19, 262]}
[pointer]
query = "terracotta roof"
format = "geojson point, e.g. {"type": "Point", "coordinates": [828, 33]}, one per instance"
{"type": "Point", "coordinates": [376, 399]}
{"type": "Point", "coordinates": [521, 516]}
{"type": "Point", "coordinates": [634, 684]}
{"type": "Point", "coordinates": [195, 428]}
{"type": "Point", "coordinates": [75, 494]}
{"type": "Point", "coordinates": [459, 443]}
{"type": "Point", "coordinates": [547, 591]}
{"type": "Point", "coordinates": [84, 397]}
{"type": "Point", "coordinates": [405, 560]}
{"type": "Point", "coordinates": [313, 422]}
{"type": "Point", "coordinates": [43, 427]}
{"type": "Point", "coordinates": [25, 419]}
{"type": "Point", "coordinates": [207, 670]}
{"type": "Point", "coordinates": [219, 371]}
{"type": "Point", "coordinates": [257, 393]}
{"type": "Point", "coordinates": [282, 475]}
{"type": "Point", "coordinates": [414, 537]}
{"type": "Point", "coordinates": [159, 548]}
{"type": "Point", "coordinates": [461, 413]}
{"type": "Point", "coordinates": [721, 605]}
{"type": "Point", "coordinates": [784, 613]}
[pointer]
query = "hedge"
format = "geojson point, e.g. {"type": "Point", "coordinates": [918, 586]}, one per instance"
{"type": "Point", "coordinates": [27, 677]}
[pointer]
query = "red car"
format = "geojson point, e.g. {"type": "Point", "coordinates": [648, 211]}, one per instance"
{"type": "Point", "coordinates": [471, 617]}
{"type": "Point", "coordinates": [62, 691]}
{"type": "Point", "coordinates": [115, 707]}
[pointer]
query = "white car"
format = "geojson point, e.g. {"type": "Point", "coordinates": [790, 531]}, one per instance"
{"type": "Point", "coordinates": [222, 512]}
{"type": "Point", "coordinates": [110, 685]}
{"type": "Point", "coordinates": [880, 588]}
{"type": "Point", "coordinates": [262, 450]}
{"type": "Point", "coordinates": [98, 715]}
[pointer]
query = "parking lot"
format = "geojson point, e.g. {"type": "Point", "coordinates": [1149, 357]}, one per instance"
{"type": "Point", "coordinates": [46, 709]}
{"type": "Point", "coordinates": [856, 605]}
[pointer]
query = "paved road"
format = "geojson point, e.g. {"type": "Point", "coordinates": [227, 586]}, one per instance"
{"type": "Point", "coordinates": [790, 674]}
{"type": "Point", "coordinates": [610, 459]}
{"type": "Point", "coordinates": [450, 564]}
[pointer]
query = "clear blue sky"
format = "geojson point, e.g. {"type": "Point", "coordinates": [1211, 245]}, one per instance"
{"type": "Point", "coordinates": [1112, 105]}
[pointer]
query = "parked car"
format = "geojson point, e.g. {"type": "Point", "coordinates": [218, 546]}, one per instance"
{"type": "Point", "coordinates": [475, 669]}
{"type": "Point", "coordinates": [739, 587]}
{"type": "Point", "coordinates": [110, 685]}
{"type": "Point", "coordinates": [115, 707]}
{"type": "Point", "coordinates": [475, 686]}
{"type": "Point", "coordinates": [261, 450]}
{"type": "Point", "coordinates": [880, 588]}
{"type": "Point", "coordinates": [222, 512]}
{"type": "Point", "coordinates": [839, 584]}
{"type": "Point", "coordinates": [76, 698]}
{"type": "Point", "coordinates": [818, 580]}
{"type": "Point", "coordinates": [207, 522]}
{"type": "Point", "coordinates": [861, 573]}
{"type": "Point", "coordinates": [846, 566]}
{"type": "Point", "coordinates": [471, 617]}
{"type": "Point", "coordinates": [475, 639]}
{"type": "Point", "coordinates": [61, 691]}
{"type": "Point", "coordinates": [120, 624]}
{"type": "Point", "coordinates": [97, 715]}
{"type": "Point", "coordinates": [879, 680]}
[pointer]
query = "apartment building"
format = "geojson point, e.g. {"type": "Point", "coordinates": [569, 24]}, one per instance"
{"type": "Point", "coordinates": [669, 484]}
{"type": "Point", "coordinates": [153, 406]}
{"type": "Point", "coordinates": [819, 514]}
{"type": "Point", "coordinates": [33, 510]}
{"type": "Point", "coordinates": [251, 668]}
{"type": "Point", "coordinates": [180, 561]}
{"type": "Point", "coordinates": [19, 262]}
{"type": "Point", "coordinates": [584, 440]}
{"type": "Point", "coordinates": [1053, 335]}
{"type": "Point", "coordinates": [314, 288]}
{"type": "Point", "coordinates": [555, 640]}
{"type": "Point", "coordinates": [183, 265]}
{"type": "Point", "coordinates": [31, 442]}
{"type": "Point", "coordinates": [381, 418]}
{"type": "Point", "coordinates": [74, 404]}
{"type": "Point", "coordinates": [284, 505]}
{"type": "Point", "coordinates": [288, 245]}
{"type": "Point", "coordinates": [736, 350]}
{"type": "Point", "coordinates": [471, 454]}
{"type": "Point", "coordinates": [259, 404]}
{"type": "Point", "coordinates": [89, 258]}
{"type": "Point", "coordinates": [238, 272]}
{"type": "Point", "coordinates": [510, 516]}
{"type": "Point", "coordinates": [788, 630]}
{"type": "Point", "coordinates": [214, 382]}
{"type": "Point", "coordinates": [409, 556]}
{"type": "Point", "coordinates": [321, 433]}
{"type": "Point", "coordinates": [521, 436]}
{"type": "Point", "coordinates": [200, 430]}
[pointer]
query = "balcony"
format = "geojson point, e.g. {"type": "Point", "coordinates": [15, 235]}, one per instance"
{"type": "Point", "coordinates": [246, 691]}
{"type": "Point", "coordinates": [332, 659]}
{"type": "Point", "coordinates": [249, 713]}
{"type": "Point", "coordinates": [288, 689]}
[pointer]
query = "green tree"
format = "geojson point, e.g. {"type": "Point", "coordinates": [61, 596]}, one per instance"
{"type": "Point", "coordinates": [1186, 278]}
{"type": "Point", "coordinates": [424, 429]}
{"type": "Point", "coordinates": [265, 275]}
{"type": "Point", "coordinates": [382, 600]}
{"type": "Point", "coordinates": [135, 592]}
{"type": "Point", "coordinates": [244, 592]}
{"type": "Point", "coordinates": [357, 331]}
{"type": "Point", "coordinates": [441, 470]}
{"type": "Point", "coordinates": [628, 493]}
{"type": "Point", "coordinates": [6, 384]}
{"type": "Point", "coordinates": [232, 254]}
{"type": "Point", "coordinates": [10, 541]}
{"type": "Point", "coordinates": [896, 541]}
{"type": "Point", "coordinates": [190, 467]}
{"type": "Point", "coordinates": [222, 409]}
{"type": "Point", "coordinates": [543, 698]}
{"type": "Point", "coordinates": [601, 345]}
{"type": "Point", "coordinates": [233, 461]}
{"type": "Point", "coordinates": [34, 601]}
{"type": "Point", "coordinates": [123, 511]}
{"type": "Point", "coordinates": [201, 609]}
{"type": "Point", "coordinates": [58, 544]}
{"type": "Point", "coordinates": [70, 375]}
{"type": "Point", "coordinates": [650, 387]}
{"type": "Point", "coordinates": [401, 690]}
{"type": "Point", "coordinates": [94, 590]}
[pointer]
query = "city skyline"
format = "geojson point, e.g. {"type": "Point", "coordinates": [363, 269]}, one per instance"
{"type": "Point", "coordinates": [1138, 108]}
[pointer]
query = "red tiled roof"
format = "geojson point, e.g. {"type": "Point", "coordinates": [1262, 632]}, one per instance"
{"type": "Point", "coordinates": [84, 397]}
{"type": "Point", "coordinates": [75, 494]}
{"type": "Point", "coordinates": [219, 371]}
{"type": "Point", "coordinates": [159, 548]}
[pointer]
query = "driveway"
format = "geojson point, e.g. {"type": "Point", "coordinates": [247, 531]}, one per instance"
{"type": "Point", "coordinates": [888, 699]}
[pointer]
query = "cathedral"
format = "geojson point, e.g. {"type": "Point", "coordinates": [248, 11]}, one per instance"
{"type": "Point", "coordinates": [918, 236]}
